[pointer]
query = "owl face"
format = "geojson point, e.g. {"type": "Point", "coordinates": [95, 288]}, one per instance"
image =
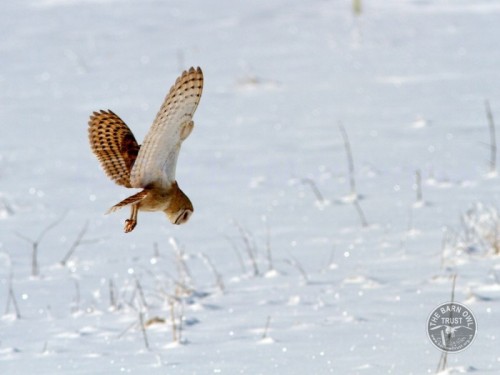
{"type": "Point", "coordinates": [180, 217]}
{"type": "Point", "coordinates": [180, 208]}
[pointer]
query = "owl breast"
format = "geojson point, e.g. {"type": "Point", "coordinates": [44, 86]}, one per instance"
{"type": "Point", "coordinates": [156, 200]}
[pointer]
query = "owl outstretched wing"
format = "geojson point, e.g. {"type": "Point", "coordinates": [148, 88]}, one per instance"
{"type": "Point", "coordinates": [114, 145]}
{"type": "Point", "coordinates": [157, 159]}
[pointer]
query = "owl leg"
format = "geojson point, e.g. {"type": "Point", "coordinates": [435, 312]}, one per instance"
{"type": "Point", "coordinates": [187, 128]}
{"type": "Point", "coordinates": [132, 222]}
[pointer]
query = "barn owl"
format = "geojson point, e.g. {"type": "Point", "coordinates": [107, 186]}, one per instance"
{"type": "Point", "coordinates": [150, 166]}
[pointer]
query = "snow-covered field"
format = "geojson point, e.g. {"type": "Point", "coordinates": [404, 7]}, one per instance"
{"type": "Point", "coordinates": [407, 79]}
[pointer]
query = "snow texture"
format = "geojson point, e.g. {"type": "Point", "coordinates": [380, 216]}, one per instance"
{"type": "Point", "coordinates": [274, 273]}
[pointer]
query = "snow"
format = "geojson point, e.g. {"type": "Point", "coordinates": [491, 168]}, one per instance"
{"type": "Point", "coordinates": [407, 80]}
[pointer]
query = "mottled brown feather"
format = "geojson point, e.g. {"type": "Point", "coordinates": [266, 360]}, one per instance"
{"type": "Point", "coordinates": [130, 200]}
{"type": "Point", "coordinates": [114, 145]}
{"type": "Point", "coordinates": [189, 83]}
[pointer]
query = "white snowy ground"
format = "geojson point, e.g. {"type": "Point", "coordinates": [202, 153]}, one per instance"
{"type": "Point", "coordinates": [407, 79]}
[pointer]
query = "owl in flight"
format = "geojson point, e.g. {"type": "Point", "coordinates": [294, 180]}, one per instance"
{"type": "Point", "coordinates": [150, 166]}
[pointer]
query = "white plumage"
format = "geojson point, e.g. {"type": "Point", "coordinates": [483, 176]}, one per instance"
{"type": "Point", "coordinates": [158, 155]}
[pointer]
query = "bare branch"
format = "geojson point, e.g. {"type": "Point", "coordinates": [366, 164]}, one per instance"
{"type": "Point", "coordinates": [78, 241]}
{"type": "Point", "coordinates": [35, 243]}
{"type": "Point", "coordinates": [23, 237]}
{"type": "Point", "coordinates": [50, 226]}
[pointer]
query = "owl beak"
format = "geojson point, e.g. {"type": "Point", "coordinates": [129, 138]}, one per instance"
{"type": "Point", "coordinates": [183, 217]}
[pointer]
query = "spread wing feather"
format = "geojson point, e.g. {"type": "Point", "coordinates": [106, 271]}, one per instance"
{"type": "Point", "coordinates": [114, 145]}
{"type": "Point", "coordinates": [130, 200]}
{"type": "Point", "coordinates": [157, 157]}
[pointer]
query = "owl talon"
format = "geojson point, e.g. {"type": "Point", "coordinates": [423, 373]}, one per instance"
{"type": "Point", "coordinates": [130, 225]}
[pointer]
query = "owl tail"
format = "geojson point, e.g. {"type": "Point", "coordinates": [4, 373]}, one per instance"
{"type": "Point", "coordinates": [128, 201]}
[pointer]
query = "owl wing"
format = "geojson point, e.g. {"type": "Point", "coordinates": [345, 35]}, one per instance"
{"type": "Point", "coordinates": [114, 145]}
{"type": "Point", "coordinates": [157, 157]}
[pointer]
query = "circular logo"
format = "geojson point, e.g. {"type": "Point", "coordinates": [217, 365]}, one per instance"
{"type": "Point", "coordinates": [451, 327]}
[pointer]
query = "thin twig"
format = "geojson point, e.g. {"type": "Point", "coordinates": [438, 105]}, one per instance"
{"type": "Point", "coordinates": [360, 212]}
{"type": "Point", "coordinates": [454, 278]}
{"type": "Point", "coordinates": [6, 206]}
{"type": "Point", "coordinates": [266, 328]}
{"type": "Point", "coordinates": [314, 188]}
{"type": "Point", "coordinates": [78, 241]}
{"type": "Point", "coordinates": [270, 266]}
{"type": "Point", "coordinates": [443, 360]}
{"type": "Point", "coordinates": [493, 141]}
{"type": "Point", "coordinates": [418, 185]}
{"type": "Point", "coordinates": [294, 262]}
{"type": "Point", "coordinates": [350, 161]}
{"type": "Point", "coordinates": [248, 247]}
{"type": "Point", "coordinates": [171, 302]}
{"type": "Point", "coordinates": [12, 298]}
{"type": "Point", "coordinates": [128, 328]}
{"type": "Point", "coordinates": [181, 319]}
{"type": "Point", "coordinates": [112, 297]}
{"type": "Point", "coordinates": [141, 293]}
{"type": "Point", "coordinates": [50, 226]}
{"type": "Point", "coordinates": [143, 329]}
{"type": "Point", "coordinates": [211, 266]}
{"type": "Point", "coordinates": [35, 243]}
{"type": "Point", "coordinates": [182, 268]}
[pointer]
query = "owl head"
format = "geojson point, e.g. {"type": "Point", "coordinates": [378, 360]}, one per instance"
{"type": "Point", "coordinates": [179, 208]}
